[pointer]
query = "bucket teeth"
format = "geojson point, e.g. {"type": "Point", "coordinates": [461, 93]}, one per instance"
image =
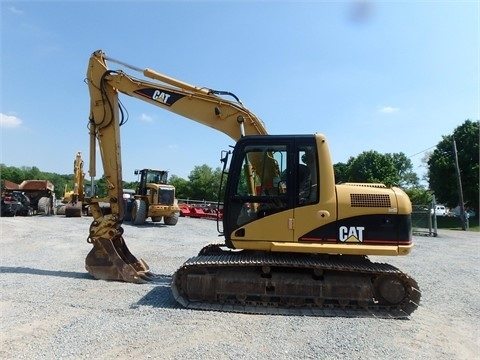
{"type": "Point", "coordinates": [110, 259]}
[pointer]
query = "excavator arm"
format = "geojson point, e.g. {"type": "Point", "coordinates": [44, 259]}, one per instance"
{"type": "Point", "coordinates": [74, 206]}
{"type": "Point", "coordinates": [110, 258]}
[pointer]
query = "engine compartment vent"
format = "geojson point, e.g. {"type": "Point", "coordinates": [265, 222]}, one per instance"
{"type": "Point", "coordinates": [373, 185]}
{"type": "Point", "coordinates": [370, 200]}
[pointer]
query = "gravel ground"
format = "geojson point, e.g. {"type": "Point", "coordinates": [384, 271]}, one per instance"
{"type": "Point", "coordinates": [51, 308]}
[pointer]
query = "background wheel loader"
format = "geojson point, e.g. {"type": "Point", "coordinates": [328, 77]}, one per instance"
{"type": "Point", "coordinates": [153, 198]}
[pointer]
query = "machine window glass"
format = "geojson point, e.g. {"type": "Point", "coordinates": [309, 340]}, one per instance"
{"type": "Point", "coordinates": [157, 177]}
{"type": "Point", "coordinates": [260, 188]}
{"type": "Point", "coordinates": [261, 171]}
{"type": "Point", "coordinates": [307, 175]}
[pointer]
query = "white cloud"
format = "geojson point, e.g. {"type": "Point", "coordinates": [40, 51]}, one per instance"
{"type": "Point", "coordinates": [15, 11]}
{"type": "Point", "coordinates": [388, 109]}
{"type": "Point", "coordinates": [146, 118]}
{"type": "Point", "coordinates": [9, 121]}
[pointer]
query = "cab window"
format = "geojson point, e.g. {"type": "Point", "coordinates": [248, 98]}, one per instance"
{"type": "Point", "coordinates": [261, 188]}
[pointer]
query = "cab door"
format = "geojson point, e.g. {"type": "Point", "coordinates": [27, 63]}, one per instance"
{"type": "Point", "coordinates": [259, 201]}
{"type": "Point", "coordinates": [315, 207]}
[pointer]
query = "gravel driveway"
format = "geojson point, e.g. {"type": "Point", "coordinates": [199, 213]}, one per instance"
{"type": "Point", "coordinates": [52, 309]}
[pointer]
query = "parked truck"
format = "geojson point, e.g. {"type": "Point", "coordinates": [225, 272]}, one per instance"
{"type": "Point", "coordinates": [15, 203]}
{"type": "Point", "coordinates": [40, 192]}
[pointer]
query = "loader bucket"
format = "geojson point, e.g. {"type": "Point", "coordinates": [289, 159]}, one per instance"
{"type": "Point", "coordinates": [110, 259]}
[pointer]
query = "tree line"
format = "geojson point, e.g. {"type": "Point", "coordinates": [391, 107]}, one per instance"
{"type": "Point", "coordinates": [396, 169]}
{"type": "Point", "coordinates": [203, 182]}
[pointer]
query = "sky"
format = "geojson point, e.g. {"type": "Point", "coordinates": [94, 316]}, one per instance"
{"type": "Point", "coordinates": [388, 76]}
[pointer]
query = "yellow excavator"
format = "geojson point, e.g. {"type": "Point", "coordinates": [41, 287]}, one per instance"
{"type": "Point", "coordinates": [75, 198]}
{"type": "Point", "coordinates": [295, 242]}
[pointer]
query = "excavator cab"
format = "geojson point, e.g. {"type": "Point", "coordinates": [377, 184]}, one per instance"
{"type": "Point", "coordinates": [268, 179]}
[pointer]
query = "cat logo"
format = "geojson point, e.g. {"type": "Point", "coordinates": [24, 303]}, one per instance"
{"type": "Point", "coordinates": [160, 96]}
{"type": "Point", "coordinates": [163, 97]}
{"type": "Point", "coordinates": [351, 234]}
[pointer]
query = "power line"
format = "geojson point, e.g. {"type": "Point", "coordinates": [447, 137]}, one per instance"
{"type": "Point", "coordinates": [431, 147]}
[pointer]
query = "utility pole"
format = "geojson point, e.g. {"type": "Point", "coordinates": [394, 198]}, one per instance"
{"type": "Point", "coordinates": [463, 216]}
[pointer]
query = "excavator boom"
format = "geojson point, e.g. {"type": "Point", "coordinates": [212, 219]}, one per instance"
{"type": "Point", "coordinates": [199, 104]}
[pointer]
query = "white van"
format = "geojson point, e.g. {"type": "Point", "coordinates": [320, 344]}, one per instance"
{"type": "Point", "coordinates": [440, 210]}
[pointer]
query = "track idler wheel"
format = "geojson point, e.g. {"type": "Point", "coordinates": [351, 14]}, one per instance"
{"type": "Point", "coordinates": [390, 289]}
{"type": "Point", "coordinates": [110, 259]}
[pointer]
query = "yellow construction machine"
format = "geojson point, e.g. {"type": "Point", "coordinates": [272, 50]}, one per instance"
{"type": "Point", "coordinates": [153, 198]}
{"type": "Point", "coordinates": [74, 199]}
{"type": "Point", "coordinates": [295, 242]}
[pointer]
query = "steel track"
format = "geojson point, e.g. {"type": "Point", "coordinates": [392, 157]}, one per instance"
{"type": "Point", "coordinates": [214, 267]}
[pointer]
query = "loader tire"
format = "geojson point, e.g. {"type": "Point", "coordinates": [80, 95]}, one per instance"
{"type": "Point", "coordinates": [171, 220]}
{"type": "Point", "coordinates": [61, 209]}
{"type": "Point", "coordinates": [44, 206]}
{"type": "Point", "coordinates": [156, 219]}
{"type": "Point", "coordinates": [139, 212]}
{"type": "Point", "coordinates": [127, 216]}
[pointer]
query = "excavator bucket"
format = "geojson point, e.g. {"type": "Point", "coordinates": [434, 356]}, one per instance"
{"type": "Point", "coordinates": [73, 209]}
{"type": "Point", "coordinates": [110, 259]}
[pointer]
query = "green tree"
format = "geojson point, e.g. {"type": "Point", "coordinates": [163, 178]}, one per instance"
{"type": "Point", "coordinates": [341, 172]}
{"type": "Point", "coordinates": [11, 173]}
{"type": "Point", "coordinates": [182, 188]}
{"type": "Point", "coordinates": [60, 181]}
{"type": "Point", "coordinates": [419, 196]}
{"type": "Point", "coordinates": [204, 183]}
{"type": "Point", "coordinates": [130, 185]}
{"type": "Point", "coordinates": [441, 166]}
{"type": "Point", "coordinates": [373, 167]}
{"type": "Point", "coordinates": [33, 173]}
{"type": "Point", "coordinates": [17, 175]}
{"type": "Point", "coordinates": [404, 166]}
